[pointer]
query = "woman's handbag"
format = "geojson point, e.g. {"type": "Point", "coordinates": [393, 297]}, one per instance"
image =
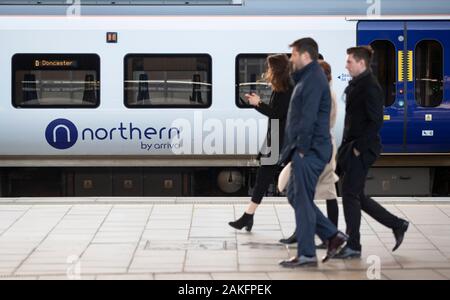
{"type": "Point", "coordinates": [283, 179]}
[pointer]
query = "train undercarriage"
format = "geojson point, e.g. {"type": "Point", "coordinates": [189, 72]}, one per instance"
{"type": "Point", "coordinates": [427, 175]}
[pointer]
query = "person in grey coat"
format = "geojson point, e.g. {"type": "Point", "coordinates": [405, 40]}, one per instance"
{"type": "Point", "coordinates": [308, 146]}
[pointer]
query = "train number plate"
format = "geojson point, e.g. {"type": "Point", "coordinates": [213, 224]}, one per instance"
{"type": "Point", "coordinates": [427, 132]}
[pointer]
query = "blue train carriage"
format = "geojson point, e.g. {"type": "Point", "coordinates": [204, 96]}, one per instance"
{"type": "Point", "coordinates": [412, 64]}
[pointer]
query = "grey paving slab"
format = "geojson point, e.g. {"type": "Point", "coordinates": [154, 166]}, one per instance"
{"type": "Point", "coordinates": [187, 238]}
{"type": "Point", "coordinates": [413, 275]}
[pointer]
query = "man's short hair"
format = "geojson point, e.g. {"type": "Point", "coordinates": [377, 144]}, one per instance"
{"type": "Point", "coordinates": [362, 52]}
{"type": "Point", "coordinates": [306, 45]}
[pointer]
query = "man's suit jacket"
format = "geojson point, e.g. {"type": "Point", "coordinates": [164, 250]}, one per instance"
{"type": "Point", "coordinates": [363, 117]}
{"type": "Point", "coordinates": [308, 119]}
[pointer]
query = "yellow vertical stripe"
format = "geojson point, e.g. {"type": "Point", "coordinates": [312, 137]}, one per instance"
{"type": "Point", "coordinates": [400, 66]}
{"type": "Point", "coordinates": [410, 65]}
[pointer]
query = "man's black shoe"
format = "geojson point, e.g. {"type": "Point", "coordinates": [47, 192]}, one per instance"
{"type": "Point", "coordinates": [399, 234]}
{"type": "Point", "coordinates": [290, 240]}
{"type": "Point", "coordinates": [299, 262]}
{"type": "Point", "coordinates": [348, 253]}
{"type": "Point", "coordinates": [334, 245]}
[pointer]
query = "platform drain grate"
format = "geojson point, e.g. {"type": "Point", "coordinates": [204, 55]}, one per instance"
{"type": "Point", "coordinates": [191, 245]}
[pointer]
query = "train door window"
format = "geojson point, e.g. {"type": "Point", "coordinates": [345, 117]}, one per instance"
{"type": "Point", "coordinates": [168, 81]}
{"type": "Point", "coordinates": [55, 80]}
{"type": "Point", "coordinates": [429, 73]}
{"type": "Point", "coordinates": [383, 65]}
{"type": "Point", "coordinates": [250, 70]}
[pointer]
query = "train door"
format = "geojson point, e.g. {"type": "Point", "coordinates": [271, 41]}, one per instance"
{"type": "Point", "coordinates": [428, 86]}
{"type": "Point", "coordinates": [387, 39]}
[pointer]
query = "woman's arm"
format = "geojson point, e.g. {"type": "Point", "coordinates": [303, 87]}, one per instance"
{"type": "Point", "coordinates": [279, 107]}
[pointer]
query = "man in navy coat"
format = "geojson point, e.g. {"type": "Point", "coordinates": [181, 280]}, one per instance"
{"type": "Point", "coordinates": [308, 146]}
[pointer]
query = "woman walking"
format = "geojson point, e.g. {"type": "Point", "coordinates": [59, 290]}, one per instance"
{"type": "Point", "coordinates": [278, 76]}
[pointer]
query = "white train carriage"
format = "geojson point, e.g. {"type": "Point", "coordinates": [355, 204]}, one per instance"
{"type": "Point", "coordinates": [144, 105]}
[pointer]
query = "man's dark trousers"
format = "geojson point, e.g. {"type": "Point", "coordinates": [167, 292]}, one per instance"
{"type": "Point", "coordinates": [354, 200]}
{"type": "Point", "coordinates": [300, 191]}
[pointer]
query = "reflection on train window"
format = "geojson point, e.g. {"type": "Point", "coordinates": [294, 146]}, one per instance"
{"type": "Point", "coordinates": [250, 70]}
{"type": "Point", "coordinates": [383, 65]}
{"type": "Point", "coordinates": [56, 80]}
{"type": "Point", "coordinates": [168, 80]}
{"type": "Point", "coordinates": [429, 73]}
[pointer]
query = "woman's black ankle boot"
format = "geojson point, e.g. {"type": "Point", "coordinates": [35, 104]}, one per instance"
{"type": "Point", "coordinates": [245, 221]}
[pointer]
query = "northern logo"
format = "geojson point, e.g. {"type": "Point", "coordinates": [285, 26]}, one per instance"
{"type": "Point", "coordinates": [61, 134]}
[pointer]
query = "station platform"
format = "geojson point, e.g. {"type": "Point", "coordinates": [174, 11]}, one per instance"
{"type": "Point", "coordinates": [189, 239]}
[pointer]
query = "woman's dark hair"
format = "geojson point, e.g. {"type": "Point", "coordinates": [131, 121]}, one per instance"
{"type": "Point", "coordinates": [278, 72]}
{"type": "Point", "coordinates": [326, 68]}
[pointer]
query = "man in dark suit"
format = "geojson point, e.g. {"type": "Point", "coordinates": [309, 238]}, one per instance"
{"type": "Point", "coordinates": [308, 146]}
{"type": "Point", "coordinates": [361, 146]}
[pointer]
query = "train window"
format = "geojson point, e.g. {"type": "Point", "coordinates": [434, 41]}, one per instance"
{"type": "Point", "coordinates": [55, 80]}
{"type": "Point", "coordinates": [429, 73]}
{"type": "Point", "coordinates": [383, 65]}
{"type": "Point", "coordinates": [250, 70]}
{"type": "Point", "coordinates": [168, 80]}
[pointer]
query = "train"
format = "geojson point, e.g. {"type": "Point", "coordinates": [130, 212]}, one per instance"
{"type": "Point", "coordinates": [152, 105]}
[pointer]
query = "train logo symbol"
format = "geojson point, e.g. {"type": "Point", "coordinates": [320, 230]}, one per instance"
{"type": "Point", "coordinates": [61, 134]}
